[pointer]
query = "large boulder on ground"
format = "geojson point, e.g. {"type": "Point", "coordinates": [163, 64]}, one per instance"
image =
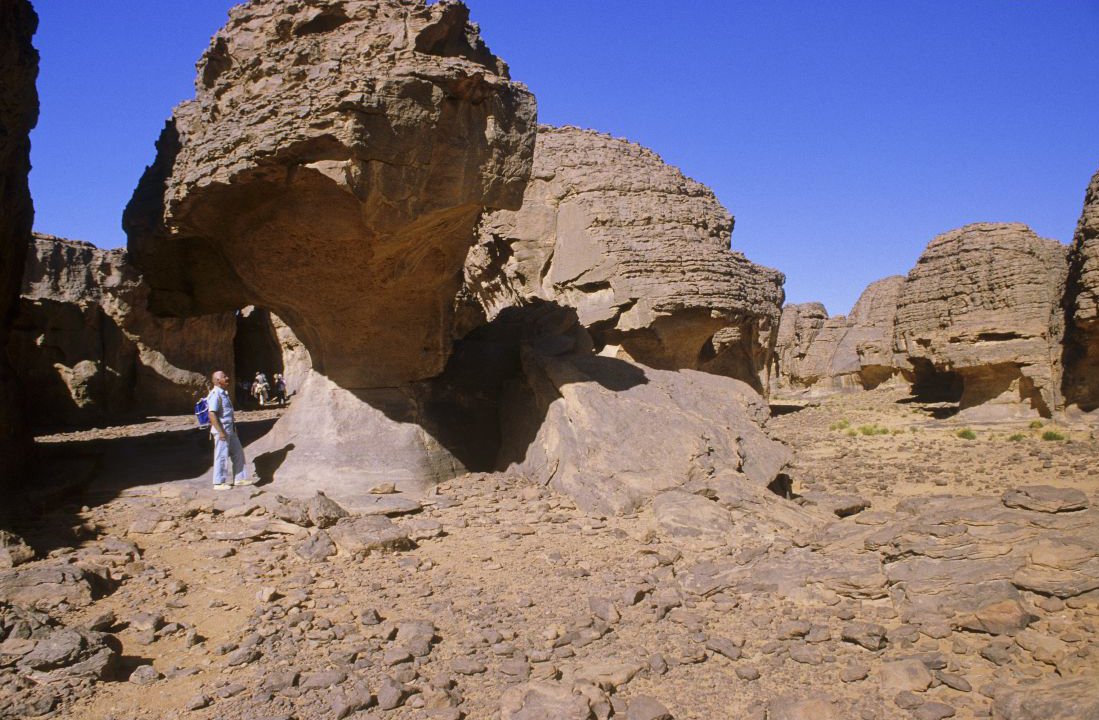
{"type": "Point", "coordinates": [1081, 354]}
{"type": "Point", "coordinates": [331, 169]}
{"type": "Point", "coordinates": [852, 352]}
{"type": "Point", "coordinates": [87, 344]}
{"type": "Point", "coordinates": [980, 318]}
{"type": "Point", "coordinates": [18, 114]}
{"type": "Point", "coordinates": [639, 250]}
{"type": "Point", "coordinates": [612, 434]}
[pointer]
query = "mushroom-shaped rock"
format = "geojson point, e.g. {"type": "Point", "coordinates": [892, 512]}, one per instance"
{"type": "Point", "coordinates": [332, 168]}
{"type": "Point", "coordinates": [640, 251]}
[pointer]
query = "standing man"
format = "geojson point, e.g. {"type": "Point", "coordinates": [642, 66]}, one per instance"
{"type": "Point", "coordinates": [226, 442]}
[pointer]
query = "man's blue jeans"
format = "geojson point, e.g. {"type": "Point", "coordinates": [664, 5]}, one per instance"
{"type": "Point", "coordinates": [225, 452]}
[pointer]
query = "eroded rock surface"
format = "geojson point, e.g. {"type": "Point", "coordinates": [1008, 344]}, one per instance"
{"type": "Point", "coordinates": [18, 114]}
{"type": "Point", "coordinates": [87, 344]}
{"type": "Point", "coordinates": [1081, 355]}
{"type": "Point", "coordinates": [855, 352]}
{"type": "Point", "coordinates": [982, 308]}
{"type": "Point", "coordinates": [331, 169]}
{"type": "Point", "coordinates": [639, 250]}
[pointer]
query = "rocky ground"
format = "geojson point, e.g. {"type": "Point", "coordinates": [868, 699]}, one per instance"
{"type": "Point", "coordinates": [936, 576]}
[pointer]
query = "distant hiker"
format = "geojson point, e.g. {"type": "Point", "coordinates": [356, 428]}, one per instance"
{"type": "Point", "coordinates": [261, 390]}
{"type": "Point", "coordinates": [227, 447]}
{"type": "Point", "coordinates": [280, 388]}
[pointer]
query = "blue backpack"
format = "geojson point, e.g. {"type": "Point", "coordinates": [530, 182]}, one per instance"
{"type": "Point", "coordinates": [202, 414]}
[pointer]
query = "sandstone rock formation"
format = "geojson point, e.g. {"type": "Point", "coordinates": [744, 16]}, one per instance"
{"type": "Point", "coordinates": [18, 114]}
{"type": "Point", "coordinates": [639, 250]}
{"type": "Point", "coordinates": [1081, 355]}
{"type": "Point", "coordinates": [980, 318]}
{"type": "Point", "coordinates": [92, 352]}
{"type": "Point", "coordinates": [849, 352]}
{"type": "Point", "coordinates": [612, 434]}
{"type": "Point", "coordinates": [331, 169]}
{"type": "Point", "coordinates": [799, 328]}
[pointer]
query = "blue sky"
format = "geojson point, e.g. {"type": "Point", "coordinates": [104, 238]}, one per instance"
{"type": "Point", "coordinates": [842, 135]}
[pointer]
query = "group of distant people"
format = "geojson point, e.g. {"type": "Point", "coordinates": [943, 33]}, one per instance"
{"type": "Point", "coordinates": [263, 392]}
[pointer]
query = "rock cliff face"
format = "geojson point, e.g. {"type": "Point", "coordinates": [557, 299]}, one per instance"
{"type": "Point", "coordinates": [18, 114]}
{"type": "Point", "coordinates": [870, 333]}
{"type": "Point", "coordinates": [84, 340]}
{"type": "Point", "coordinates": [853, 352]}
{"type": "Point", "coordinates": [980, 316]}
{"type": "Point", "coordinates": [639, 250]}
{"type": "Point", "coordinates": [1081, 355]}
{"type": "Point", "coordinates": [332, 168]}
{"type": "Point", "coordinates": [798, 331]}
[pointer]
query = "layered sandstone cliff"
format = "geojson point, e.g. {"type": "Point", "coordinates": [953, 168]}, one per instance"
{"type": "Point", "coordinates": [852, 352]}
{"type": "Point", "coordinates": [1081, 355]}
{"type": "Point", "coordinates": [86, 343]}
{"type": "Point", "coordinates": [640, 251]}
{"type": "Point", "coordinates": [18, 114]}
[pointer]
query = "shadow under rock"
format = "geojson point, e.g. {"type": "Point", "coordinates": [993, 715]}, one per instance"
{"type": "Point", "coordinates": [72, 474]}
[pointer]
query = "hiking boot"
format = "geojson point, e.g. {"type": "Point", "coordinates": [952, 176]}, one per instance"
{"type": "Point", "coordinates": [241, 483]}
{"type": "Point", "coordinates": [224, 486]}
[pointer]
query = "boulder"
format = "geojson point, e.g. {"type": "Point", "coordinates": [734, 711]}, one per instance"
{"type": "Point", "coordinates": [85, 341]}
{"type": "Point", "coordinates": [613, 434]}
{"type": "Point", "coordinates": [1081, 350]}
{"type": "Point", "coordinates": [980, 320]}
{"type": "Point", "coordinates": [640, 251]}
{"type": "Point", "coordinates": [18, 114]}
{"type": "Point", "coordinates": [331, 169]}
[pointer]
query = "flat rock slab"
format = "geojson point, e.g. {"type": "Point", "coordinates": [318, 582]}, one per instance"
{"type": "Point", "coordinates": [794, 708]}
{"type": "Point", "coordinates": [1051, 700]}
{"type": "Point", "coordinates": [46, 586]}
{"type": "Point", "coordinates": [543, 701]}
{"type": "Point", "coordinates": [1046, 498]}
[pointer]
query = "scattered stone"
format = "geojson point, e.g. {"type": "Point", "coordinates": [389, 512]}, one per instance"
{"type": "Point", "coordinates": [868, 635]}
{"type": "Point", "coordinates": [144, 675]}
{"type": "Point", "coordinates": [900, 675]}
{"type": "Point", "coordinates": [644, 707]}
{"type": "Point", "coordinates": [318, 547]}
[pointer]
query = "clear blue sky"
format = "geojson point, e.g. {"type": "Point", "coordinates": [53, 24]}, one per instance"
{"type": "Point", "coordinates": [842, 135]}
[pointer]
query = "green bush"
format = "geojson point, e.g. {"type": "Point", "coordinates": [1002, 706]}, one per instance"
{"type": "Point", "coordinates": [840, 425]}
{"type": "Point", "coordinates": [873, 429]}
{"type": "Point", "coordinates": [852, 433]}
{"type": "Point", "coordinates": [1035, 424]}
{"type": "Point", "coordinates": [1017, 437]}
{"type": "Point", "coordinates": [966, 434]}
{"type": "Point", "coordinates": [1052, 436]}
